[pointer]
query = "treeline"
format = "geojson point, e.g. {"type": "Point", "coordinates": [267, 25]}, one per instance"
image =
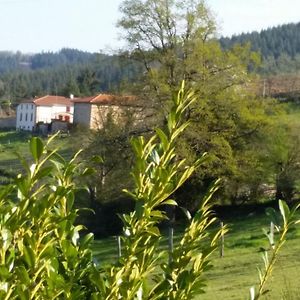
{"type": "Point", "coordinates": [279, 47]}
{"type": "Point", "coordinates": [68, 71]}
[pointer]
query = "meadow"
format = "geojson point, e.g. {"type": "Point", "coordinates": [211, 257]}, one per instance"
{"type": "Point", "coordinates": [232, 275]}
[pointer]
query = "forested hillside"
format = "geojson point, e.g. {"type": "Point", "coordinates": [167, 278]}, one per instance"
{"type": "Point", "coordinates": [279, 47]}
{"type": "Point", "coordinates": [64, 72]}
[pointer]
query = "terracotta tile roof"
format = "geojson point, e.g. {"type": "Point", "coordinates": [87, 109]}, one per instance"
{"type": "Point", "coordinates": [106, 99]}
{"type": "Point", "coordinates": [50, 100]}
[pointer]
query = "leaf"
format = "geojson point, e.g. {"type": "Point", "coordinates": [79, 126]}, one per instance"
{"type": "Point", "coordinates": [154, 231]}
{"type": "Point", "coordinates": [170, 202]}
{"type": "Point", "coordinates": [23, 186]}
{"type": "Point", "coordinates": [284, 210]}
{"type": "Point", "coordinates": [75, 237]}
{"type": "Point", "coordinates": [44, 172]}
{"type": "Point", "coordinates": [155, 157]}
{"type": "Point", "coordinates": [163, 138]}
{"type": "Point", "coordinates": [86, 240]}
{"type": "Point", "coordinates": [29, 256]}
{"type": "Point", "coordinates": [57, 159]}
{"type": "Point", "coordinates": [97, 159]}
{"type": "Point", "coordinates": [158, 214]}
{"type": "Point", "coordinates": [36, 148]}
{"type": "Point", "coordinates": [186, 213]}
{"type": "Point", "coordinates": [22, 275]}
{"type": "Point", "coordinates": [4, 273]}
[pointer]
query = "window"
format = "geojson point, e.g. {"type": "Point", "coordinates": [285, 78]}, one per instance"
{"type": "Point", "coordinates": [31, 106]}
{"type": "Point", "coordinates": [26, 117]}
{"type": "Point", "coordinates": [68, 109]}
{"type": "Point", "coordinates": [26, 106]}
{"type": "Point", "coordinates": [20, 116]}
{"type": "Point", "coordinates": [31, 117]}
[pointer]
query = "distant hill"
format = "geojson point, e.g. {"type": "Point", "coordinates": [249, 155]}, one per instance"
{"type": "Point", "coordinates": [68, 71]}
{"type": "Point", "coordinates": [279, 47]}
{"type": "Point", "coordinates": [12, 61]}
{"type": "Point", "coordinates": [270, 42]}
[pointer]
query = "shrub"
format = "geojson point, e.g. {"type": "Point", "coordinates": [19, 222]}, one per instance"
{"type": "Point", "coordinates": [41, 255]}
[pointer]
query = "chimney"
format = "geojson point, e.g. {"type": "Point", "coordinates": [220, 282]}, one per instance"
{"type": "Point", "coordinates": [71, 96]}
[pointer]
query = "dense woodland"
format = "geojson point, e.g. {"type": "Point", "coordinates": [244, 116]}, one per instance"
{"type": "Point", "coordinates": [279, 47]}
{"type": "Point", "coordinates": [66, 72]}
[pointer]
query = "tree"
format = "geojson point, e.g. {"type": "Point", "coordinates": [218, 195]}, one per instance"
{"type": "Point", "coordinates": [88, 82]}
{"type": "Point", "coordinates": [162, 34]}
{"type": "Point", "coordinates": [282, 158]}
{"type": "Point", "coordinates": [176, 40]}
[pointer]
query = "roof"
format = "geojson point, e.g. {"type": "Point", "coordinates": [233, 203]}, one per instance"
{"type": "Point", "coordinates": [106, 99]}
{"type": "Point", "coordinates": [50, 100]}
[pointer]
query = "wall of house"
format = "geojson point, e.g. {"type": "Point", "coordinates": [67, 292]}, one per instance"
{"type": "Point", "coordinates": [100, 113]}
{"type": "Point", "coordinates": [82, 114]}
{"type": "Point", "coordinates": [46, 113]}
{"type": "Point", "coordinates": [25, 118]}
{"type": "Point", "coordinates": [95, 116]}
{"type": "Point", "coordinates": [138, 116]}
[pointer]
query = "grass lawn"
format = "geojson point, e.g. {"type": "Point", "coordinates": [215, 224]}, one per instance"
{"type": "Point", "coordinates": [233, 275]}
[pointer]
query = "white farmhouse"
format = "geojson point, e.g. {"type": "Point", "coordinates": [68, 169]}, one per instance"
{"type": "Point", "coordinates": [43, 110]}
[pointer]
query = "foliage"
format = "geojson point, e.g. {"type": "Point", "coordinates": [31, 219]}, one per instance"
{"type": "Point", "coordinates": [41, 255]}
{"type": "Point", "coordinates": [157, 175]}
{"type": "Point", "coordinates": [232, 274]}
{"type": "Point", "coordinates": [280, 157]}
{"type": "Point", "coordinates": [288, 218]}
{"type": "Point", "coordinates": [176, 40]}
{"type": "Point", "coordinates": [277, 45]}
{"type": "Point", "coordinates": [68, 71]}
{"type": "Point", "coordinates": [270, 42]}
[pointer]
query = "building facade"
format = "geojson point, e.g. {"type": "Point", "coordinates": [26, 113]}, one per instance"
{"type": "Point", "coordinates": [43, 110]}
{"type": "Point", "coordinates": [92, 112]}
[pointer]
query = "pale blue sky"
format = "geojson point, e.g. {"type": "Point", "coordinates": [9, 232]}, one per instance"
{"type": "Point", "coordinates": [49, 25]}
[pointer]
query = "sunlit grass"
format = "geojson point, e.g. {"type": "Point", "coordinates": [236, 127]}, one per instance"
{"type": "Point", "coordinates": [233, 275]}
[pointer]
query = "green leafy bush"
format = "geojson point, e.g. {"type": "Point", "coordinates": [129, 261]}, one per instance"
{"type": "Point", "coordinates": [41, 254]}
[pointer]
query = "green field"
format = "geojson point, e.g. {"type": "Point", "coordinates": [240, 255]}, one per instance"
{"type": "Point", "coordinates": [233, 275]}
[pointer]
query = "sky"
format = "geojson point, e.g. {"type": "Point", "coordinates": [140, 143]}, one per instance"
{"type": "Point", "coordinates": [33, 26]}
